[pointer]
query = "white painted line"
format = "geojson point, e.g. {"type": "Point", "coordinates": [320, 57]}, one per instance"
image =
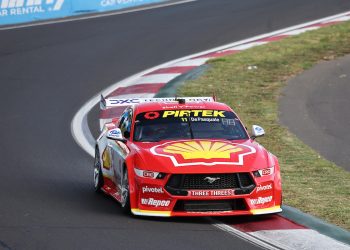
{"type": "Point", "coordinates": [192, 62]}
{"type": "Point", "coordinates": [307, 239]}
{"type": "Point", "coordinates": [80, 129]}
{"type": "Point", "coordinates": [92, 16]}
{"type": "Point", "coordinates": [226, 50]}
{"type": "Point", "coordinates": [299, 31]}
{"type": "Point", "coordinates": [248, 46]}
{"type": "Point", "coordinates": [157, 78]}
{"type": "Point", "coordinates": [267, 244]}
{"type": "Point", "coordinates": [340, 19]}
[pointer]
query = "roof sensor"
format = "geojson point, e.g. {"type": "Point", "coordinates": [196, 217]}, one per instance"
{"type": "Point", "coordinates": [181, 101]}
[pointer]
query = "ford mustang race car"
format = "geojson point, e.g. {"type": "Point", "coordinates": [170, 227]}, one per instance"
{"type": "Point", "coordinates": [184, 157]}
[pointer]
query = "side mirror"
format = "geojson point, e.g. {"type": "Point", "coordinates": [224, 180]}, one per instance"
{"type": "Point", "coordinates": [257, 131]}
{"type": "Point", "coordinates": [115, 134]}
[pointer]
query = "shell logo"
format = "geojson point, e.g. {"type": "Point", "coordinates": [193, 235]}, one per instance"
{"type": "Point", "coordinates": [203, 152]}
{"type": "Point", "coordinates": [202, 149]}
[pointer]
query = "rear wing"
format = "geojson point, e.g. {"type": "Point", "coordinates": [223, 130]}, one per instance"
{"type": "Point", "coordinates": [112, 102]}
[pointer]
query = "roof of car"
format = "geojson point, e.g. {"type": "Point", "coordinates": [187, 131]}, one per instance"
{"type": "Point", "coordinates": [153, 106]}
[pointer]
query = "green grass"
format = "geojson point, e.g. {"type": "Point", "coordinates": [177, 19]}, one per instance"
{"type": "Point", "coordinates": [310, 183]}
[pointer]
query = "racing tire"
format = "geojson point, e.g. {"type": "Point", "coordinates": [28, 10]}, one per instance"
{"type": "Point", "coordinates": [98, 177]}
{"type": "Point", "coordinates": [125, 192]}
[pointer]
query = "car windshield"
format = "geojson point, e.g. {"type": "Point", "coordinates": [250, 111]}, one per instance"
{"type": "Point", "coordinates": [188, 124]}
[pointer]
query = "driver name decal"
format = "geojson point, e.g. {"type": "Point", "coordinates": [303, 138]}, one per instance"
{"type": "Point", "coordinates": [203, 152]}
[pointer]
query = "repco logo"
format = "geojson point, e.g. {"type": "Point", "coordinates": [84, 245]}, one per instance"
{"type": "Point", "coordinates": [261, 200]}
{"type": "Point", "coordinates": [154, 202]}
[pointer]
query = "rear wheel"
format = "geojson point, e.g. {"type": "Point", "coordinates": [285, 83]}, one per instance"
{"type": "Point", "coordinates": [98, 177]}
{"type": "Point", "coordinates": [125, 193]}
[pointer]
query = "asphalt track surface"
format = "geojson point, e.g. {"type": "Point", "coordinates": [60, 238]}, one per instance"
{"type": "Point", "coordinates": [315, 107]}
{"type": "Point", "coordinates": [48, 72]}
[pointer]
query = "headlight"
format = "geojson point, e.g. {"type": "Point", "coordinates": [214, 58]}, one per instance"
{"type": "Point", "coordinates": [149, 174]}
{"type": "Point", "coordinates": [264, 172]}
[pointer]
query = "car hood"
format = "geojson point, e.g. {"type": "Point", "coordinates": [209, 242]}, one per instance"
{"type": "Point", "coordinates": [201, 156]}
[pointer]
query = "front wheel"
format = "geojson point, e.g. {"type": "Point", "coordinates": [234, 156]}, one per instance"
{"type": "Point", "coordinates": [98, 177]}
{"type": "Point", "coordinates": [125, 193]}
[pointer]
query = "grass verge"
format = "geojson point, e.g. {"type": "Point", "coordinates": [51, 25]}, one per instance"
{"type": "Point", "coordinates": [310, 183]}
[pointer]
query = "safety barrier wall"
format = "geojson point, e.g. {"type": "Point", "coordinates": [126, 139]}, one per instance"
{"type": "Point", "coordinates": [21, 11]}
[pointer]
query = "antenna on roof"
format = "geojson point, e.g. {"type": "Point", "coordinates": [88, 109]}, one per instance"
{"type": "Point", "coordinates": [214, 97]}
{"type": "Point", "coordinates": [181, 101]}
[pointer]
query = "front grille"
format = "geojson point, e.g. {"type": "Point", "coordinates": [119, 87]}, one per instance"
{"type": "Point", "coordinates": [200, 181]}
{"type": "Point", "coordinates": [209, 205]}
{"type": "Point", "coordinates": [178, 184]}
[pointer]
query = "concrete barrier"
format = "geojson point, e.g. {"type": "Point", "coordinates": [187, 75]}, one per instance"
{"type": "Point", "coordinates": [22, 11]}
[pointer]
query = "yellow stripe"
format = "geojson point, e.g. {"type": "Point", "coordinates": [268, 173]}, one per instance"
{"type": "Point", "coordinates": [137, 211]}
{"type": "Point", "coordinates": [269, 210]}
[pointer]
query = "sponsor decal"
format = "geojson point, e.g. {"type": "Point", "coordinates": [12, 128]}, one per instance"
{"type": "Point", "coordinates": [229, 122]}
{"type": "Point", "coordinates": [27, 7]}
{"type": "Point", "coordinates": [122, 101]}
{"type": "Point", "coordinates": [108, 3]}
{"type": "Point", "coordinates": [148, 174]}
{"type": "Point", "coordinates": [114, 133]}
{"type": "Point", "coordinates": [151, 115]}
{"type": "Point", "coordinates": [154, 202]}
{"type": "Point", "coordinates": [153, 190]}
{"type": "Point", "coordinates": [116, 102]}
{"type": "Point", "coordinates": [193, 113]}
{"type": "Point", "coordinates": [258, 129]}
{"type": "Point", "coordinates": [264, 188]}
{"type": "Point", "coordinates": [266, 171]}
{"type": "Point", "coordinates": [201, 119]}
{"type": "Point", "coordinates": [106, 159]}
{"type": "Point", "coordinates": [261, 200]}
{"type": "Point", "coordinates": [223, 192]}
{"type": "Point", "coordinates": [203, 152]}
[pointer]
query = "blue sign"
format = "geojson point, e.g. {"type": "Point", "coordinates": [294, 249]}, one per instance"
{"type": "Point", "coordinates": [21, 11]}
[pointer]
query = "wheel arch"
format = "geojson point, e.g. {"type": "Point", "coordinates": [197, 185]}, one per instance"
{"type": "Point", "coordinates": [133, 188]}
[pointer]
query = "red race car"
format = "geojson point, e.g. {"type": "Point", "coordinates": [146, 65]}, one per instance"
{"type": "Point", "coordinates": [184, 157]}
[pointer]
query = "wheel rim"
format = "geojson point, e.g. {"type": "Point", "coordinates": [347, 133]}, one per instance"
{"type": "Point", "coordinates": [96, 176]}
{"type": "Point", "coordinates": [125, 189]}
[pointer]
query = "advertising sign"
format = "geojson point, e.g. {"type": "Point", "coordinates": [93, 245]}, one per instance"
{"type": "Point", "coordinates": [21, 11]}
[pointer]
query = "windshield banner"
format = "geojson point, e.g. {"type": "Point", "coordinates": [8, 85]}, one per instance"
{"type": "Point", "coordinates": [21, 11]}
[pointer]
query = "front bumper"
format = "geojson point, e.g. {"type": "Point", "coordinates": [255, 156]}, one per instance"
{"type": "Point", "coordinates": [151, 198]}
{"type": "Point", "coordinates": [157, 213]}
